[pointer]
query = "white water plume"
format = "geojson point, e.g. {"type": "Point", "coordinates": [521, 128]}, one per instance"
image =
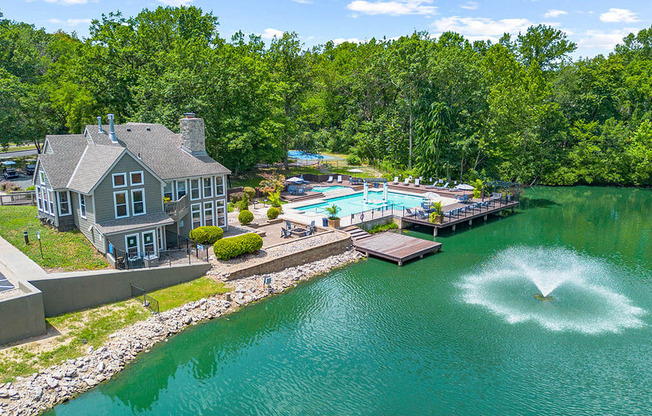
{"type": "Point", "coordinates": [583, 300]}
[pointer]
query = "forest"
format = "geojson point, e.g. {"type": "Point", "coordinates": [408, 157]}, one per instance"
{"type": "Point", "coordinates": [521, 109]}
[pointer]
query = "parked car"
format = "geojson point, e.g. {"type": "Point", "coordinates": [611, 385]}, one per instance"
{"type": "Point", "coordinates": [8, 170]}
{"type": "Point", "coordinates": [29, 169]}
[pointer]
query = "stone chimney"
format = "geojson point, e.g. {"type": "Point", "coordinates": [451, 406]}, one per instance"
{"type": "Point", "coordinates": [192, 134]}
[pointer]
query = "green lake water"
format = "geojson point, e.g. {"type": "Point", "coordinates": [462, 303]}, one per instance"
{"type": "Point", "coordinates": [457, 333]}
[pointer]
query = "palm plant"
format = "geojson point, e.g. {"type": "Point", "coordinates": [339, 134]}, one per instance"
{"type": "Point", "coordinates": [332, 212]}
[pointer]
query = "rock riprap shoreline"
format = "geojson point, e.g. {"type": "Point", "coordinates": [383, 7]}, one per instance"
{"type": "Point", "coordinates": [40, 391]}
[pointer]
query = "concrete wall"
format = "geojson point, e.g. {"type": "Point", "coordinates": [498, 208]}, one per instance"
{"type": "Point", "coordinates": [306, 256]}
{"type": "Point", "coordinates": [67, 292]}
{"type": "Point", "coordinates": [21, 316]}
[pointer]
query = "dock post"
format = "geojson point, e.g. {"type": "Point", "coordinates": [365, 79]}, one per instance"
{"type": "Point", "coordinates": [434, 231]}
{"type": "Point", "coordinates": [470, 222]}
{"type": "Point", "coordinates": [454, 225]}
{"type": "Point", "coordinates": [485, 218]}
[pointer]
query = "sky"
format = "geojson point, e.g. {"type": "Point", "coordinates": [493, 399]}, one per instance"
{"type": "Point", "coordinates": [595, 25]}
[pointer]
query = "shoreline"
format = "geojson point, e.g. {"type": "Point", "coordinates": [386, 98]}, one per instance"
{"type": "Point", "coordinates": [39, 392]}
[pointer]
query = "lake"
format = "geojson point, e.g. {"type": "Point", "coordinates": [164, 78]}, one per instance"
{"type": "Point", "coordinates": [457, 333]}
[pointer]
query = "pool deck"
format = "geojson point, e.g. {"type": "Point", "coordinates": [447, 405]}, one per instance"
{"type": "Point", "coordinates": [395, 247]}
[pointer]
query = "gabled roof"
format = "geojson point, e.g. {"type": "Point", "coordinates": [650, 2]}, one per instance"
{"type": "Point", "coordinates": [60, 163]}
{"type": "Point", "coordinates": [93, 165]}
{"type": "Point", "coordinates": [159, 148]}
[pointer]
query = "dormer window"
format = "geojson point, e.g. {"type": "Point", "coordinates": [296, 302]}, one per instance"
{"type": "Point", "coordinates": [119, 180]}
{"type": "Point", "coordinates": [136, 178]}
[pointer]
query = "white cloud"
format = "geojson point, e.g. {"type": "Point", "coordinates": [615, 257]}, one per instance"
{"type": "Point", "coordinates": [393, 7]}
{"type": "Point", "coordinates": [470, 5]}
{"type": "Point", "coordinates": [555, 13]}
{"type": "Point", "coordinates": [302, 1]}
{"type": "Point", "coordinates": [477, 28]}
{"type": "Point", "coordinates": [269, 33]}
{"type": "Point", "coordinates": [70, 2]}
{"type": "Point", "coordinates": [175, 3]}
{"type": "Point", "coordinates": [350, 40]}
{"type": "Point", "coordinates": [619, 15]}
{"type": "Point", "coordinates": [597, 39]}
{"type": "Point", "coordinates": [70, 22]}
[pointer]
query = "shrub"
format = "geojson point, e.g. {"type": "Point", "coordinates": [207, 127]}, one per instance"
{"type": "Point", "coordinates": [206, 235]}
{"type": "Point", "coordinates": [383, 227]}
{"type": "Point", "coordinates": [8, 186]}
{"type": "Point", "coordinates": [245, 217]}
{"type": "Point", "coordinates": [230, 207]}
{"type": "Point", "coordinates": [243, 205]}
{"type": "Point", "coordinates": [236, 197]}
{"type": "Point", "coordinates": [249, 191]}
{"type": "Point", "coordinates": [31, 188]}
{"type": "Point", "coordinates": [353, 160]}
{"type": "Point", "coordinates": [231, 247]}
{"type": "Point", "coordinates": [272, 213]}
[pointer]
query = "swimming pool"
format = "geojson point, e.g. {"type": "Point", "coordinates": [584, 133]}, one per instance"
{"type": "Point", "coordinates": [352, 204]}
{"type": "Point", "coordinates": [328, 188]}
{"type": "Point", "coordinates": [301, 155]}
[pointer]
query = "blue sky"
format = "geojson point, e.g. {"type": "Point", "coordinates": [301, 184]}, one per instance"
{"type": "Point", "coordinates": [596, 26]}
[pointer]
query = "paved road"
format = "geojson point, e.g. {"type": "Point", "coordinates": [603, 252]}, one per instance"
{"type": "Point", "coordinates": [20, 153]}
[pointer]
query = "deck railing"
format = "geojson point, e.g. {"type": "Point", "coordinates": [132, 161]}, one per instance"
{"type": "Point", "coordinates": [376, 213]}
{"type": "Point", "coordinates": [19, 198]}
{"type": "Point", "coordinates": [470, 210]}
{"type": "Point", "coordinates": [179, 208]}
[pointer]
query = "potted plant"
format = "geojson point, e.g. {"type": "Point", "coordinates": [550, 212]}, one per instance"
{"type": "Point", "coordinates": [437, 216]}
{"type": "Point", "coordinates": [333, 219]}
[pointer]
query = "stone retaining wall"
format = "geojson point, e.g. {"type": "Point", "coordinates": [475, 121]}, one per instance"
{"type": "Point", "coordinates": [305, 256]}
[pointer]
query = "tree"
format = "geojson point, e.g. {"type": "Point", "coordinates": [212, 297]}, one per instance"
{"type": "Point", "coordinates": [544, 47]}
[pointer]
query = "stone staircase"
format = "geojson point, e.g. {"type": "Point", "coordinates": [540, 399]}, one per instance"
{"type": "Point", "coordinates": [355, 232]}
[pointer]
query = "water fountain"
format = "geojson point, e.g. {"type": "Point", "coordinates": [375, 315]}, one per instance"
{"type": "Point", "coordinates": [572, 292]}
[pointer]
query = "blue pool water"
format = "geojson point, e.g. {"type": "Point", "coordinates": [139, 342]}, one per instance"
{"type": "Point", "coordinates": [327, 188]}
{"type": "Point", "coordinates": [301, 155]}
{"type": "Point", "coordinates": [352, 204]}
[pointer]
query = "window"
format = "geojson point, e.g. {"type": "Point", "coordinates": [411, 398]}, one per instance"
{"type": "Point", "coordinates": [219, 185]}
{"type": "Point", "coordinates": [208, 187]}
{"type": "Point", "coordinates": [168, 191]}
{"type": "Point", "coordinates": [136, 178]}
{"type": "Point", "coordinates": [51, 201]}
{"type": "Point", "coordinates": [131, 244]}
{"type": "Point", "coordinates": [219, 213]}
{"type": "Point", "coordinates": [194, 189]}
{"type": "Point", "coordinates": [159, 236]}
{"type": "Point", "coordinates": [64, 203]}
{"type": "Point", "coordinates": [149, 247]}
{"type": "Point", "coordinates": [137, 201]}
{"type": "Point", "coordinates": [195, 210]}
{"type": "Point", "coordinates": [41, 177]}
{"type": "Point", "coordinates": [181, 189]}
{"type": "Point", "coordinates": [82, 206]}
{"type": "Point", "coordinates": [119, 180]}
{"type": "Point", "coordinates": [120, 204]}
{"type": "Point", "coordinates": [39, 199]}
{"type": "Point", "coordinates": [208, 213]}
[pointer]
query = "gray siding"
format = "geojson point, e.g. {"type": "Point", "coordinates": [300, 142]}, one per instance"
{"type": "Point", "coordinates": [104, 191]}
{"type": "Point", "coordinates": [84, 224]}
{"type": "Point", "coordinates": [53, 218]}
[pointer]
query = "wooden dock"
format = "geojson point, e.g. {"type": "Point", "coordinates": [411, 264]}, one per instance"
{"type": "Point", "coordinates": [395, 247]}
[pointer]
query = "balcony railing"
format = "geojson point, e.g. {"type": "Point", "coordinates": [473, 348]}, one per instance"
{"type": "Point", "coordinates": [177, 209]}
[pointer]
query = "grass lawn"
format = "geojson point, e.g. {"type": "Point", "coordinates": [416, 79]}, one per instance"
{"type": "Point", "coordinates": [62, 251]}
{"type": "Point", "coordinates": [17, 148]}
{"type": "Point", "coordinates": [93, 326]}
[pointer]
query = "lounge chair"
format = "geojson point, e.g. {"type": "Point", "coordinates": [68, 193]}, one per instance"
{"type": "Point", "coordinates": [417, 182]}
{"type": "Point", "coordinates": [442, 188]}
{"type": "Point", "coordinates": [407, 182]}
{"type": "Point", "coordinates": [410, 213]}
{"type": "Point", "coordinates": [285, 233]}
{"type": "Point", "coordinates": [288, 224]}
{"type": "Point", "coordinates": [339, 178]}
{"type": "Point", "coordinates": [313, 228]}
{"type": "Point", "coordinates": [292, 189]}
{"type": "Point", "coordinates": [301, 191]}
{"type": "Point", "coordinates": [395, 180]}
{"type": "Point", "coordinates": [423, 215]}
{"type": "Point", "coordinates": [330, 179]}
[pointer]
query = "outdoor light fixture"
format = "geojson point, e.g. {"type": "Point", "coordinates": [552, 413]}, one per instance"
{"type": "Point", "coordinates": [26, 237]}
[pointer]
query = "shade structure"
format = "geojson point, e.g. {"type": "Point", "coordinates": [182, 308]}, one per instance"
{"type": "Point", "coordinates": [355, 170]}
{"type": "Point", "coordinates": [295, 180]}
{"type": "Point", "coordinates": [464, 187]}
{"type": "Point", "coordinates": [431, 195]}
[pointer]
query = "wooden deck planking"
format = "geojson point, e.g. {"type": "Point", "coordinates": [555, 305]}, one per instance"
{"type": "Point", "coordinates": [396, 247]}
{"type": "Point", "coordinates": [475, 215]}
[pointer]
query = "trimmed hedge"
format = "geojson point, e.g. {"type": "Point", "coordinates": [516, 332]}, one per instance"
{"type": "Point", "coordinates": [272, 213]}
{"type": "Point", "coordinates": [245, 217]}
{"type": "Point", "coordinates": [206, 235]}
{"type": "Point", "coordinates": [231, 247]}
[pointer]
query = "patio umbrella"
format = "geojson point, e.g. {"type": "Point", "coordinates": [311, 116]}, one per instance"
{"type": "Point", "coordinates": [355, 170]}
{"type": "Point", "coordinates": [464, 187]}
{"type": "Point", "coordinates": [431, 195]}
{"type": "Point", "coordinates": [295, 180]}
{"type": "Point", "coordinates": [8, 163]}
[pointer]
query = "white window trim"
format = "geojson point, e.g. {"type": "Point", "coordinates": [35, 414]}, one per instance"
{"type": "Point", "coordinates": [154, 241]}
{"type": "Point", "coordinates": [51, 196]}
{"type": "Point", "coordinates": [171, 184]}
{"type": "Point", "coordinates": [67, 193]}
{"type": "Point", "coordinates": [142, 178]}
{"type": "Point", "coordinates": [212, 212]}
{"type": "Point", "coordinates": [133, 202]}
{"type": "Point", "coordinates": [39, 202]}
{"type": "Point", "coordinates": [124, 175]}
{"type": "Point", "coordinates": [41, 177]}
{"type": "Point", "coordinates": [82, 197]}
{"type": "Point", "coordinates": [137, 243]}
{"type": "Point", "coordinates": [217, 217]}
{"type": "Point", "coordinates": [201, 216]}
{"type": "Point", "coordinates": [223, 181]}
{"type": "Point", "coordinates": [199, 186]}
{"type": "Point", "coordinates": [177, 188]}
{"type": "Point", "coordinates": [115, 204]}
{"type": "Point", "coordinates": [211, 187]}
